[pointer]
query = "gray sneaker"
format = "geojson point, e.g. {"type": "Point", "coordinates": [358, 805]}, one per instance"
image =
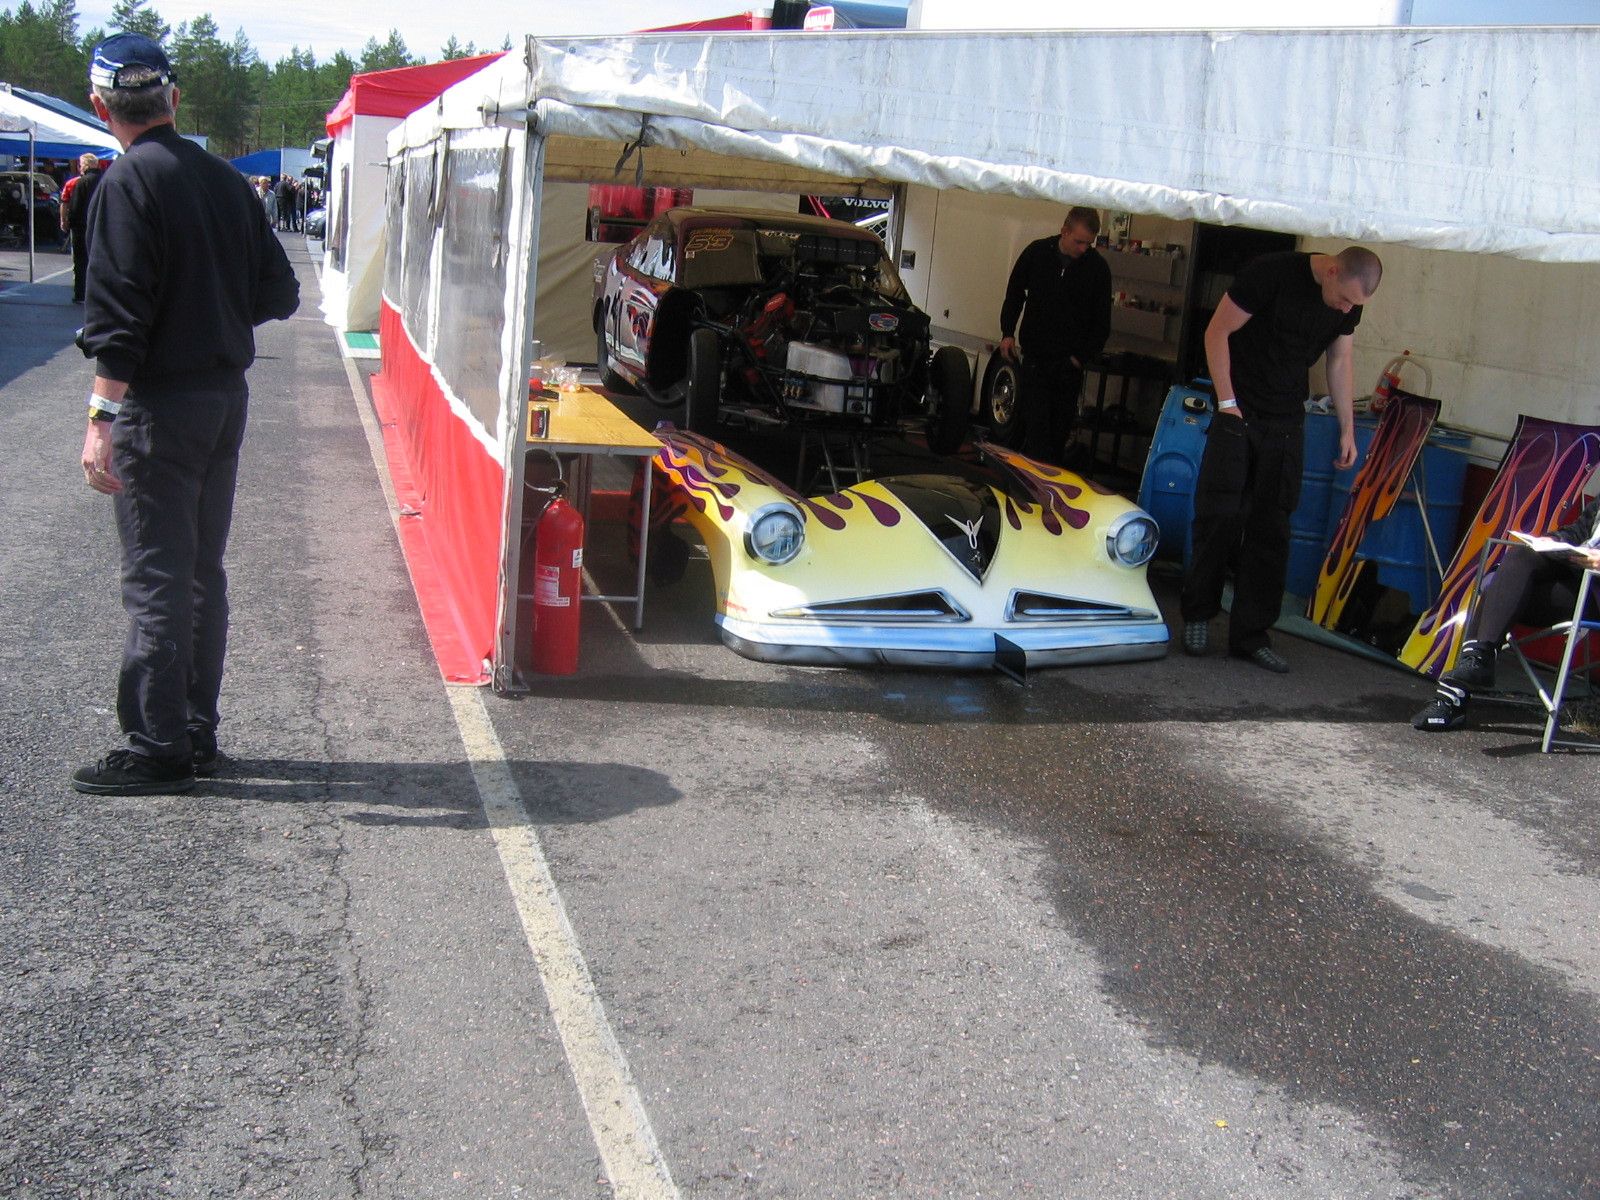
{"type": "Point", "coordinates": [1267, 659]}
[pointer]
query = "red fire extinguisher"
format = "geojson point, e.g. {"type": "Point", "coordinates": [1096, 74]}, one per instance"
{"type": "Point", "coordinates": [557, 588]}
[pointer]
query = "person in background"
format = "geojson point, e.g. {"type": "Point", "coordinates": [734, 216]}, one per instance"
{"type": "Point", "coordinates": [183, 264]}
{"type": "Point", "coordinates": [1529, 587]}
{"type": "Point", "coordinates": [269, 199]}
{"type": "Point", "coordinates": [1282, 312]}
{"type": "Point", "coordinates": [1060, 287]}
{"type": "Point", "coordinates": [288, 195]}
{"type": "Point", "coordinates": [75, 200]}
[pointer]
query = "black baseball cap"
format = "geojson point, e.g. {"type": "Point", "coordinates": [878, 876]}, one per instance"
{"type": "Point", "coordinates": [130, 61]}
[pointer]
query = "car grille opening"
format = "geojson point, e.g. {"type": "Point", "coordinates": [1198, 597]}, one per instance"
{"type": "Point", "coordinates": [908, 607]}
{"type": "Point", "coordinates": [1035, 606]}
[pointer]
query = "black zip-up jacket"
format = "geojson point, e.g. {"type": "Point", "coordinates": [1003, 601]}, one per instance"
{"type": "Point", "coordinates": [1064, 303]}
{"type": "Point", "coordinates": [1587, 525]}
{"type": "Point", "coordinates": [182, 267]}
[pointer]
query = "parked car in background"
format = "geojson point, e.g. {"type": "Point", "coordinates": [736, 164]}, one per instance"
{"type": "Point", "coordinates": [792, 319]}
{"type": "Point", "coordinates": [315, 224]}
{"type": "Point", "coordinates": [44, 201]}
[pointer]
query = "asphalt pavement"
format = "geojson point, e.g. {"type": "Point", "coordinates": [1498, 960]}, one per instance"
{"type": "Point", "coordinates": [1169, 929]}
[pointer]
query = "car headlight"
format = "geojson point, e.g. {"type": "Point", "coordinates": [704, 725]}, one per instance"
{"type": "Point", "coordinates": [775, 533]}
{"type": "Point", "coordinates": [1132, 539]}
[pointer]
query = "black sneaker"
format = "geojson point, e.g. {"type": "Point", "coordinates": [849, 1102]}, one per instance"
{"type": "Point", "coordinates": [1196, 637]}
{"type": "Point", "coordinates": [124, 773]}
{"type": "Point", "coordinates": [1474, 667]}
{"type": "Point", "coordinates": [1444, 712]}
{"type": "Point", "coordinates": [203, 742]}
{"type": "Point", "coordinates": [1267, 659]}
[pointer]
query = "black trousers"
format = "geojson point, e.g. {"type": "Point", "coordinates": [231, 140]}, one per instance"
{"type": "Point", "coordinates": [1249, 484]}
{"type": "Point", "coordinates": [177, 455]}
{"type": "Point", "coordinates": [1526, 588]}
{"type": "Point", "coordinates": [80, 263]}
{"type": "Point", "coordinates": [1048, 404]}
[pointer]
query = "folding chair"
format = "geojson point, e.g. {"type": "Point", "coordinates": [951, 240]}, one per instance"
{"type": "Point", "coordinates": [1571, 631]}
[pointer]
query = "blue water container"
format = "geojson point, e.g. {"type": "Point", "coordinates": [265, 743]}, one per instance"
{"type": "Point", "coordinates": [1308, 524]}
{"type": "Point", "coordinates": [1398, 543]}
{"type": "Point", "coordinates": [1167, 490]}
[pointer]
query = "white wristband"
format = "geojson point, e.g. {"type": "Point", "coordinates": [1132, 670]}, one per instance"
{"type": "Point", "coordinates": [100, 402]}
{"type": "Point", "coordinates": [1227, 404]}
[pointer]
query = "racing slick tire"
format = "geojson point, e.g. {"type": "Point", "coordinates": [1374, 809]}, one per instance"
{"type": "Point", "coordinates": [949, 394]}
{"type": "Point", "coordinates": [1002, 389]}
{"type": "Point", "coordinates": [702, 393]}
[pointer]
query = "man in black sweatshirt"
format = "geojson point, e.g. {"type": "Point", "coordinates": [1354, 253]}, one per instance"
{"type": "Point", "coordinates": [182, 266]}
{"type": "Point", "coordinates": [1061, 288]}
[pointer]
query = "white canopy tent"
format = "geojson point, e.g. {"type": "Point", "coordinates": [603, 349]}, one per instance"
{"type": "Point", "coordinates": [54, 134]}
{"type": "Point", "coordinates": [1461, 139]}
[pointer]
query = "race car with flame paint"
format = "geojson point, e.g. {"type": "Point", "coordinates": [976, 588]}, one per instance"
{"type": "Point", "coordinates": [1008, 563]}
{"type": "Point", "coordinates": [778, 317]}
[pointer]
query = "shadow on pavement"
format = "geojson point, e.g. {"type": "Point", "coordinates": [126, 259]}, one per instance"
{"type": "Point", "coordinates": [37, 322]}
{"type": "Point", "coordinates": [442, 795]}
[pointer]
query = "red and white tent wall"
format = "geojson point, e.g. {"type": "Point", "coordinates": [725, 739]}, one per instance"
{"type": "Point", "coordinates": [452, 333]}
{"type": "Point", "coordinates": [359, 126]}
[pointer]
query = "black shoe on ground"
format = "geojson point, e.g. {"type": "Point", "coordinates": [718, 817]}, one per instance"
{"type": "Point", "coordinates": [1444, 712]}
{"type": "Point", "coordinates": [1267, 659]}
{"type": "Point", "coordinates": [1474, 667]}
{"type": "Point", "coordinates": [204, 744]}
{"type": "Point", "coordinates": [124, 773]}
{"type": "Point", "coordinates": [1196, 637]}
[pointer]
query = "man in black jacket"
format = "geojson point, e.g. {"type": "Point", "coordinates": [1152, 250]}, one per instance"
{"type": "Point", "coordinates": [75, 220]}
{"type": "Point", "coordinates": [1061, 288]}
{"type": "Point", "coordinates": [182, 266]}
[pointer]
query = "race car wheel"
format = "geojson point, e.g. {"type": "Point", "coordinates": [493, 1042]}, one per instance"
{"type": "Point", "coordinates": [1002, 389]}
{"type": "Point", "coordinates": [949, 393]}
{"type": "Point", "coordinates": [702, 394]}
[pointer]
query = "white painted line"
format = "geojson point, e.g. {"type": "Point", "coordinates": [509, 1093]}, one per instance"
{"type": "Point", "coordinates": [617, 1118]}
{"type": "Point", "coordinates": [19, 284]}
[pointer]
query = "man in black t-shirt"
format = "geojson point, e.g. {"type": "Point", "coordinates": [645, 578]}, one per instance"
{"type": "Point", "coordinates": [1281, 314]}
{"type": "Point", "coordinates": [1060, 287]}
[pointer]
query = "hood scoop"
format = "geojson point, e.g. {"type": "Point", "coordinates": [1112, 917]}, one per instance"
{"type": "Point", "coordinates": [964, 517]}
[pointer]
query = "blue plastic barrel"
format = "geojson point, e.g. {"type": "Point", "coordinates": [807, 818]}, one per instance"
{"type": "Point", "coordinates": [1397, 543]}
{"type": "Point", "coordinates": [1167, 490]}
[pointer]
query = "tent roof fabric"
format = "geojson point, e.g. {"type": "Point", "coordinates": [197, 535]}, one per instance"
{"type": "Point", "coordinates": [401, 91]}
{"type": "Point", "coordinates": [1464, 139]}
{"type": "Point", "coordinates": [71, 111]}
{"type": "Point", "coordinates": [56, 135]}
{"type": "Point", "coordinates": [262, 162]}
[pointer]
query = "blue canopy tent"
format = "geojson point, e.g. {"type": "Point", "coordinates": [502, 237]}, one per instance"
{"type": "Point", "coordinates": [262, 162]}
{"type": "Point", "coordinates": [286, 160]}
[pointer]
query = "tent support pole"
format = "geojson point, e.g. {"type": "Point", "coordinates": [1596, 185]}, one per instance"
{"type": "Point", "coordinates": [523, 252]}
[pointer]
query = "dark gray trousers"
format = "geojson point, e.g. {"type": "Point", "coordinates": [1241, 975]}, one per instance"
{"type": "Point", "coordinates": [177, 454]}
{"type": "Point", "coordinates": [1526, 588]}
{"type": "Point", "coordinates": [1249, 484]}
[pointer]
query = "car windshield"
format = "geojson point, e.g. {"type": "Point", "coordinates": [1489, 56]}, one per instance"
{"type": "Point", "coordinates": [720, 256]}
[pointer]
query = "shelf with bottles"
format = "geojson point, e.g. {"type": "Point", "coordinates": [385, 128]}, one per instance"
{"type": "Point", "coordinates": [1145, 263]}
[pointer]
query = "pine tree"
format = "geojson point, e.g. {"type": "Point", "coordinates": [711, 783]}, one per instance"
{"type": "Point", "coordinates": [131, 16]}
